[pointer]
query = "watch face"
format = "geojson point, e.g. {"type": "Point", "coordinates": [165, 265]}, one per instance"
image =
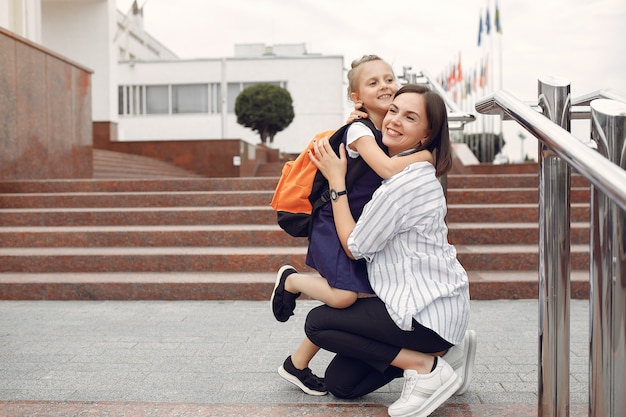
{"type": "Point", "coordinates": [333, 195]}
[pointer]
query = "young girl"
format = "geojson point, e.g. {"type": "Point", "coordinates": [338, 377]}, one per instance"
{"type": "Point", "coordinates": [372, 84]}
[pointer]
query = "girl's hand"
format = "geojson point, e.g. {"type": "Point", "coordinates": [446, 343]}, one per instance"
{"type": "Point", "coordinates": [333, 167]}
{"type": "Point", "coordinates": [356, 114]}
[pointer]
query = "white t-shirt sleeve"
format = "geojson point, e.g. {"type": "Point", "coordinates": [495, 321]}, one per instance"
{"type": "Point", "coordinates": [355, 131]}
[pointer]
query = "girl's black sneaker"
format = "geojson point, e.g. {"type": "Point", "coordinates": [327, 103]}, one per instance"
{"type": "Point", "coordinates": [303, 379]}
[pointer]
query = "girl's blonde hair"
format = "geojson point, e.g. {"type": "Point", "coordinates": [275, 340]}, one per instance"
{"type": "Point", "coordinates": [352, 73]}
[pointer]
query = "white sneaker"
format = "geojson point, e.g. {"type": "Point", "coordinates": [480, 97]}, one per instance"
{"type": "Point", "coordinates": [423, 393]}
{"type": "Point", "coordinates": [461, 359]}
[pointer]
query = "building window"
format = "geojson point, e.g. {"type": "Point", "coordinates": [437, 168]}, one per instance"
{"type": "Point", "coordinates": [157, 99]}
{"type": "Point", "coordinates": [138, 100]}
{"type": "Point", "coordinates": [131, 100]}
{"type": "Point", "coordinates": [190, 98]}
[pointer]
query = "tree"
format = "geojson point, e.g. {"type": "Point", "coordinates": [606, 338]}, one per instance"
{"type": "Point", "coordinates": [264, 108]}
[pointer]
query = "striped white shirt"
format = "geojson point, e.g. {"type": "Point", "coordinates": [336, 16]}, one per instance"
{"type": "Point", "coordinates": [411, 266]}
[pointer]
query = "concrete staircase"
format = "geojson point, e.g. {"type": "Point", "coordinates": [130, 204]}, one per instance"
{"type": "Point", "coordinates": [110, 164]}
{"type": "Point", "coordinates": [216, 238]}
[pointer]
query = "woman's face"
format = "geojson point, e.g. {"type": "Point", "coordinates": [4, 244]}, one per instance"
{"type": "Point", "coordinates": [405, 126]}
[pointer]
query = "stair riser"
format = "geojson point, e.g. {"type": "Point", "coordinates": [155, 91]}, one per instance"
{"type": "Point", "coordinates": [508, 236]}
{"type": "Point", "coordinates": [505, 181]}
{"type": "Point", "coordinates": [208, 199]}
{"type": "Point", "coordinates": [240, 263]}
{"type": "Point", "coordinates": [143, 185]}
{"type": "Point", "coordinates": [256, 198]}
{"type": "Point", "coordinates": [510, 196]}
{"type": "Point", "coordinates": [229, 291]}
{"type": "Point", "coordinates": [487, 214]}
{"type": "Point", "coordinates": [142, 218]}
{"type": "Point", "coordinates": [151, 239]}
{"type": "Point", "coordinates": [242, 215]}
{"type": "Point", "coordinates": [479, 236]}
{"type": "Point", "coordinates": [233, 184]}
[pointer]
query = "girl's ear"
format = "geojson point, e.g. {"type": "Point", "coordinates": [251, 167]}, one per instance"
{"type": "Point", "coordinates": [355, 98]}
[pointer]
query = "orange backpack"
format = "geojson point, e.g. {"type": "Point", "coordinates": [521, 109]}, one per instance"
{"type": "Point", "coordinates": [302, 189]}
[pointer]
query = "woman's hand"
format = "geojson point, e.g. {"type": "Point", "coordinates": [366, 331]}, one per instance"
{"type": "Point", "coordinates": [356, 114]}
{"type": "Point", "coordinates": [333, 167]}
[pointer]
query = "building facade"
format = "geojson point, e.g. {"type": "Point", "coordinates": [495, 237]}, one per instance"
{"type": "Point", "coordinates": [142, 91]}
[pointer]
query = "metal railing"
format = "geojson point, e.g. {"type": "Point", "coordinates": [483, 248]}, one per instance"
{"type": "Point", "coordinates": [602, 161]}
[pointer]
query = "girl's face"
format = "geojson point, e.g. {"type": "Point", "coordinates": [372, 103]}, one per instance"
{"type": "Point", "coordinates": [376, 86]}
{"type": "Point", "coordinates": [405, 126]}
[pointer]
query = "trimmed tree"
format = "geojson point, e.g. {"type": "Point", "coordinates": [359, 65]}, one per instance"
{"type": "Point", "coordinates": [264, 108]}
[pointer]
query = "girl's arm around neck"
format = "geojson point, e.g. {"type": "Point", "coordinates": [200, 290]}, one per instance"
{"type": "Point", "coordinates": [381, 163]}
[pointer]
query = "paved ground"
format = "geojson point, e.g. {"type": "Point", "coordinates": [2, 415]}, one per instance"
{"type": "Point", "coordinates": [219, 358]}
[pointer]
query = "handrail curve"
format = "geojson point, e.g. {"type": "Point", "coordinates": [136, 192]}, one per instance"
{"type": "Point", "coordinates": [602, 173]}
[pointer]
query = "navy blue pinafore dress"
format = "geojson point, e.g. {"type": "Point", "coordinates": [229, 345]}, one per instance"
{"type": "Point", "coordinates": [325, 252]}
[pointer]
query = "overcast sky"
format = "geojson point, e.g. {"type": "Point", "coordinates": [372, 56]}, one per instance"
{"type": "Point", "coordinates": [581, 40]}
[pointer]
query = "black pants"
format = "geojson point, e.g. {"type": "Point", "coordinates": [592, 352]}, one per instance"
{"type": "Point", "coordinates": [365, 340]}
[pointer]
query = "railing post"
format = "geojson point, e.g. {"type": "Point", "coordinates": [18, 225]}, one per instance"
{"type": "Point", "coordinates": [607, 367]}
{"type": "Point", "coordinates": [554, 254]}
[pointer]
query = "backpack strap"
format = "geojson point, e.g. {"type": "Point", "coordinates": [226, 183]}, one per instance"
{"type": "Point", "coordinates": [355, 171]}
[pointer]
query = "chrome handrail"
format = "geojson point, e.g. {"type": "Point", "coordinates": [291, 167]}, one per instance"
{"type": "Point", "coordinates": [608, 93]}
{"type": "Point", "coordinates": [602, 173]}
{"type": "Point", "coordinates": [601, 160]}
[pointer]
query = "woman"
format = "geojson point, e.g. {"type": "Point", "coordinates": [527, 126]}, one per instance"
{"type": "Point", "coordinates": [422, 309]}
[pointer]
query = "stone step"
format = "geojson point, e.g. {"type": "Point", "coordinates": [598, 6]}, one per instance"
{"type": "Point", "coordinates": [527, 213]}
{"type": "Point", "coordinates": [148, 236]}
{"type": "Point", "coordinates": [507, 195]}
{"type": "Point", "coordinates": [110, 164]}
{"type": "Point", "coordinates": [242, 198]}
{"type": "Point", "coordinates": [137, 199]}
{"type": "Point", "coordinates": [137, 185]}
{"type": "Point", "coordinates": [457, 213]}
{"type": "Point", "coordinates": [138, 216]}
{"type": "Point", "coordinates": [244, 183]}
{"type": "Point", "coordinates": [237, 235]}
{"type": "Point", "coordinates": [505, 181]}
{"type": "Point", "coordinates": [484, 285]}
{"type": "Point", "coordinates": [240, 259]}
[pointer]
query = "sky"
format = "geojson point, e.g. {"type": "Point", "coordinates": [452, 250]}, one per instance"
{"type": "Point", "coordinates": [581, 40]}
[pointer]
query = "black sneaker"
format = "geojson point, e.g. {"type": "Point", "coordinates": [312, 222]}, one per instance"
{"type": "Point", "coordinates": [283, 302]}
{"type": "Point", "coordinates": [303, 379]}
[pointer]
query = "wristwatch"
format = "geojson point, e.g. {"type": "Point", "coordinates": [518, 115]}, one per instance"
{"type": "Point", "coordinates": [334, 195]}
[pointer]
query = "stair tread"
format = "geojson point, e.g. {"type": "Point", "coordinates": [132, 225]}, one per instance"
{"type": "Point", "coordinates": [230, 277]}
{"type": "Point", "coordinates": [236, 227]}
{"type": "Point", "coordinates": [229, 250]}
{"type": "Point", "coordinates": [132, 209]}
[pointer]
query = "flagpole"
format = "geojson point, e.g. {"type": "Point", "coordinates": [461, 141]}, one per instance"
{"type": "Point", "coordinates": [492, 78]}
{"type": "Point", "coordinates": [498, 25]}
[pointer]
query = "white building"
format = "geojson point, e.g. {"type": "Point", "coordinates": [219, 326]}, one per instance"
{"type": "Point", "coordinates": [142, 91]}
{"type": "Point", "coordinates": [195, 99]}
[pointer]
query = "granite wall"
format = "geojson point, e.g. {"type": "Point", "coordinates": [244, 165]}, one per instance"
{"type": "Point", "coordinates": [45, 103]}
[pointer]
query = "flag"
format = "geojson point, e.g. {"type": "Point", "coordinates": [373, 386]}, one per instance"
{"type": "Point", "coordinates": [452, 77]}
{"type": "Point", "coordinates": [486, 65]}
{"type": "Point", "coordinates": [481, 81]}
{"type": "Point", "coordinates": [487, 23]}
{"type": "Point", "coordinates": [480, 27]}
{"type": "Point", "coordinates": [459, 74]}
{"type": "Point", "coordinates": [497, 18]}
